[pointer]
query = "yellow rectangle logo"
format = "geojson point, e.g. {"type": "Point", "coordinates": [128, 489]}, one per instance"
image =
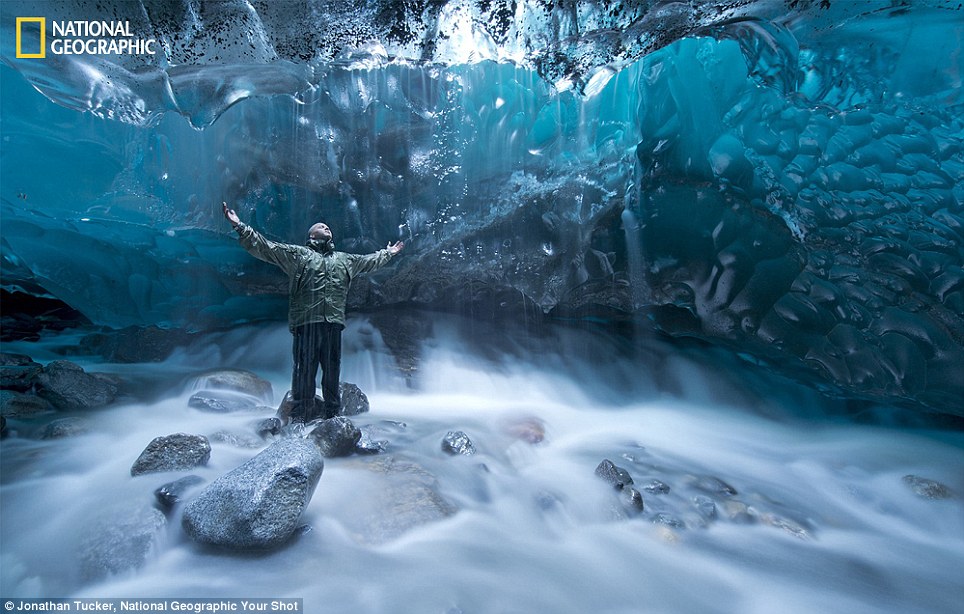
{"type": "Point", "coordinates": [43, 37]}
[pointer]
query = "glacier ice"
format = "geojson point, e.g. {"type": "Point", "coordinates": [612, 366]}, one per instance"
{"type": "Point", "coordinates": [785, 178]}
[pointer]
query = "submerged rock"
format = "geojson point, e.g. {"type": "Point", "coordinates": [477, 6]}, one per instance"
{"type": "Point", "coordinates": [67, 386]}
{"type": "Point", "coordinates": [258, 505]}
{"type": "Point", "coordinates": [657, 487]}
{"type": "Point", "coordinates": [457, 442]}
{"type": "Point", "coordinates": [119, 541]}
{"type": "Point", "coordinates": [223, 401]}
{"type": "Point", "coordinates": [927, 489]}
{"type": "Point", "coordinates": [65, 427]}
{"type": "Point", "coordinates": [172, 493]}
{"type": "Point", "coordinates": [336, 437]}
{"type": "Point", "coordinates": [238, 440]}
{"type": "Point", "coordinates": [17, 404]}
{"type": "Point", "coordinates": [176, 452]}
{"type": "Point", "coordinates": [404, 495]}
{"type": "Point", "coordinates": [713, 486]}
{"type": "Point", "coordinates": [235, 380]}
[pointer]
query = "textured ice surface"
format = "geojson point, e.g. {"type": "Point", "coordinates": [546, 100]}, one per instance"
{"type": "Point", "coordinates": [783, 177]}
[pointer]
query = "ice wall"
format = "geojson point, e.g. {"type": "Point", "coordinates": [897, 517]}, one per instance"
{"type": "Point", "coordinates": [781, 177]}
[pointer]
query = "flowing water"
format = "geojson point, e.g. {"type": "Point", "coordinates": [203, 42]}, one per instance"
{"type": "Point", "coordinates": [821, 521]}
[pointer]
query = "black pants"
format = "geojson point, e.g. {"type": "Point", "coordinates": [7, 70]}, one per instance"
{"type": "Point", "coordinates": [316, 344]}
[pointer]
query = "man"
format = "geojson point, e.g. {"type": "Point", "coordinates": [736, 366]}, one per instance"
{"type": "Point", "coordinates": [319, 278]}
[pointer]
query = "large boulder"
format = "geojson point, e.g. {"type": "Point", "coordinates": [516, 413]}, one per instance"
{"type": "Point", "coordinates": [176, 452]}
{"type": "Point", "coordinates": [258, 505]}
{"type": "Point", "coordinates": [67, 386]}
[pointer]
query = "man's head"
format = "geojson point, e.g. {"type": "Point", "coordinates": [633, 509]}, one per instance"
{"type": "Point", "coordinates": [320, 239]}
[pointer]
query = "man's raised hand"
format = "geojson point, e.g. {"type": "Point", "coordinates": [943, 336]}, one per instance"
{"type": "Point", "coordinates": [394, 249]}
{"type": "Point", "coordinates": [230, 215]}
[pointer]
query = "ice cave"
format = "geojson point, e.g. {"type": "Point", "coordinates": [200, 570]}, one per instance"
{"type": "Point", "coordinates": [678, 325]}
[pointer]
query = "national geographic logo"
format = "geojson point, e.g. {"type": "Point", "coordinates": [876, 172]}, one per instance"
{"type": "Point", "coordinates": [79, 37]}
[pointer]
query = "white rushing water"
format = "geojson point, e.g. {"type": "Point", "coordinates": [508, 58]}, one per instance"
{"type": "Point", "coordinates": [822, 520]}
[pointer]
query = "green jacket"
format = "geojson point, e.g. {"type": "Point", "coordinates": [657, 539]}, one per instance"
{"type": "Point", "coordinates": [318, 283]}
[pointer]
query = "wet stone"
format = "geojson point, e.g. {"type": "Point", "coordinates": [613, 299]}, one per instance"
{"type": "Point", "coordinates": [367, 445]}
{"type": "Point", "coordinates": [258, 505]}
{"type": "Point", "coordinates": [632, 500]}
{"type": "Point", "coordinates": [172, 493]}
{"type": "Point", "coordinates": [223, 401]}
{"type": "Point", "coordinates": [669, 521]}
{"type": "Point", "coordinates": [457, 442]}
{"type": "Point", "coordinates": [353, 400]}
{"type": "Point", "coordinates": [927, 489]}
{"type": "Point", "coordinates": [65, 427]}
{"type": "Point", "coordinates": [714, 486]}
{"type": "Point", "coordinates": [269, 426]}
{"type": "Point", "coordinates": [177, 452]}
{"type": "Point", "coordinates": [617, 476]}
{"type": "Point", "coordinates": [119, 541]}
{"type": "Point", "coordinates": [16, 404]}
{"type": "Point", "coordinates": [705, 507]}
{"type": "Point", "coordinates": [235, 380]}
{"type": "Point", "coordinates": [67, 386]}
{"type": "Point", "coordinates": [238, 440]}
{"type": "Point", "coordinates": [336, 437]}
{"type": "Point", "coordinates": [739, 512]}
{"type": "Point", "coordinates": [656, 487]}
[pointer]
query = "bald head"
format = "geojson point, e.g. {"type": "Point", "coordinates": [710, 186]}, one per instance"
{"type": "Point", "coordinates": [319, 232]}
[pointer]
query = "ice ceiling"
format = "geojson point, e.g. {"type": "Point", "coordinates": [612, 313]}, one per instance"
{"type": "Point", "coordinates": [782, 177]}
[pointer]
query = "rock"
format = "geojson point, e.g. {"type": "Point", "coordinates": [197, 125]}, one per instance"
{"type": "Point", "coordinates": [238, 440]}
{"type": "Point", "coordinates": [172, 493]}
{"type": "Point", "coordinates": [235, 380]}
{"type": "Point", "coordinates": [927, 489]}
{"type": "Point", "coordinates": [714, 486]}
{"type": "Point", "coordinates": [367, 445]}
{"type": "Point", "coordinates": [632, 500]}
{"type": "Point", "coordinates": [457, 442]}
{"type": "Point", "coordinates": [336, 437]}
{"type": "Point", "coordinates": [403, 496]}
{"type": "Point", "coordinates": [67, 386]}
{"type": "Point", "coordinates": [669, 521]}
{"type": "Point", "coordinates": [617, 476]}
{"type": "Point", "coordinates": [223, 401]}
{"type": "Point", "coordinates": [9, 359]}
{"type": "Point", "coordinates": [65, 427]}
{"type": "Point", "coordinates": [269, 426]}
{"type": "Point", "coordinates": [119, 541]}
{"type": "Point", "coordinates": [176, 452]}
{"type": "Point", "coordinates": [258, 505]}
{"type": "Point", "coordinates": [739, 512]}
{"type": "Point", "coordinates": [353, 400]}
{"type": "Point", "coordinates": [135, 344]}
{"type": "Point", "coordinates": [3, 426]}
{"type": "Point", "coordinates": [17, 374]}
{"type": "Point", "coordinates": [528, 429]}
{"type": "Point", "coordinates": [16, 404]}
{"type": "Point", "coordinates": [705, 507]}
{"type": "Point", "coordinates": [656, 487]}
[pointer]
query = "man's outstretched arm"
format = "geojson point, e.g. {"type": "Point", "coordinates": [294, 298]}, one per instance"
{"type": "Point", "coordinates": [279, 254]}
